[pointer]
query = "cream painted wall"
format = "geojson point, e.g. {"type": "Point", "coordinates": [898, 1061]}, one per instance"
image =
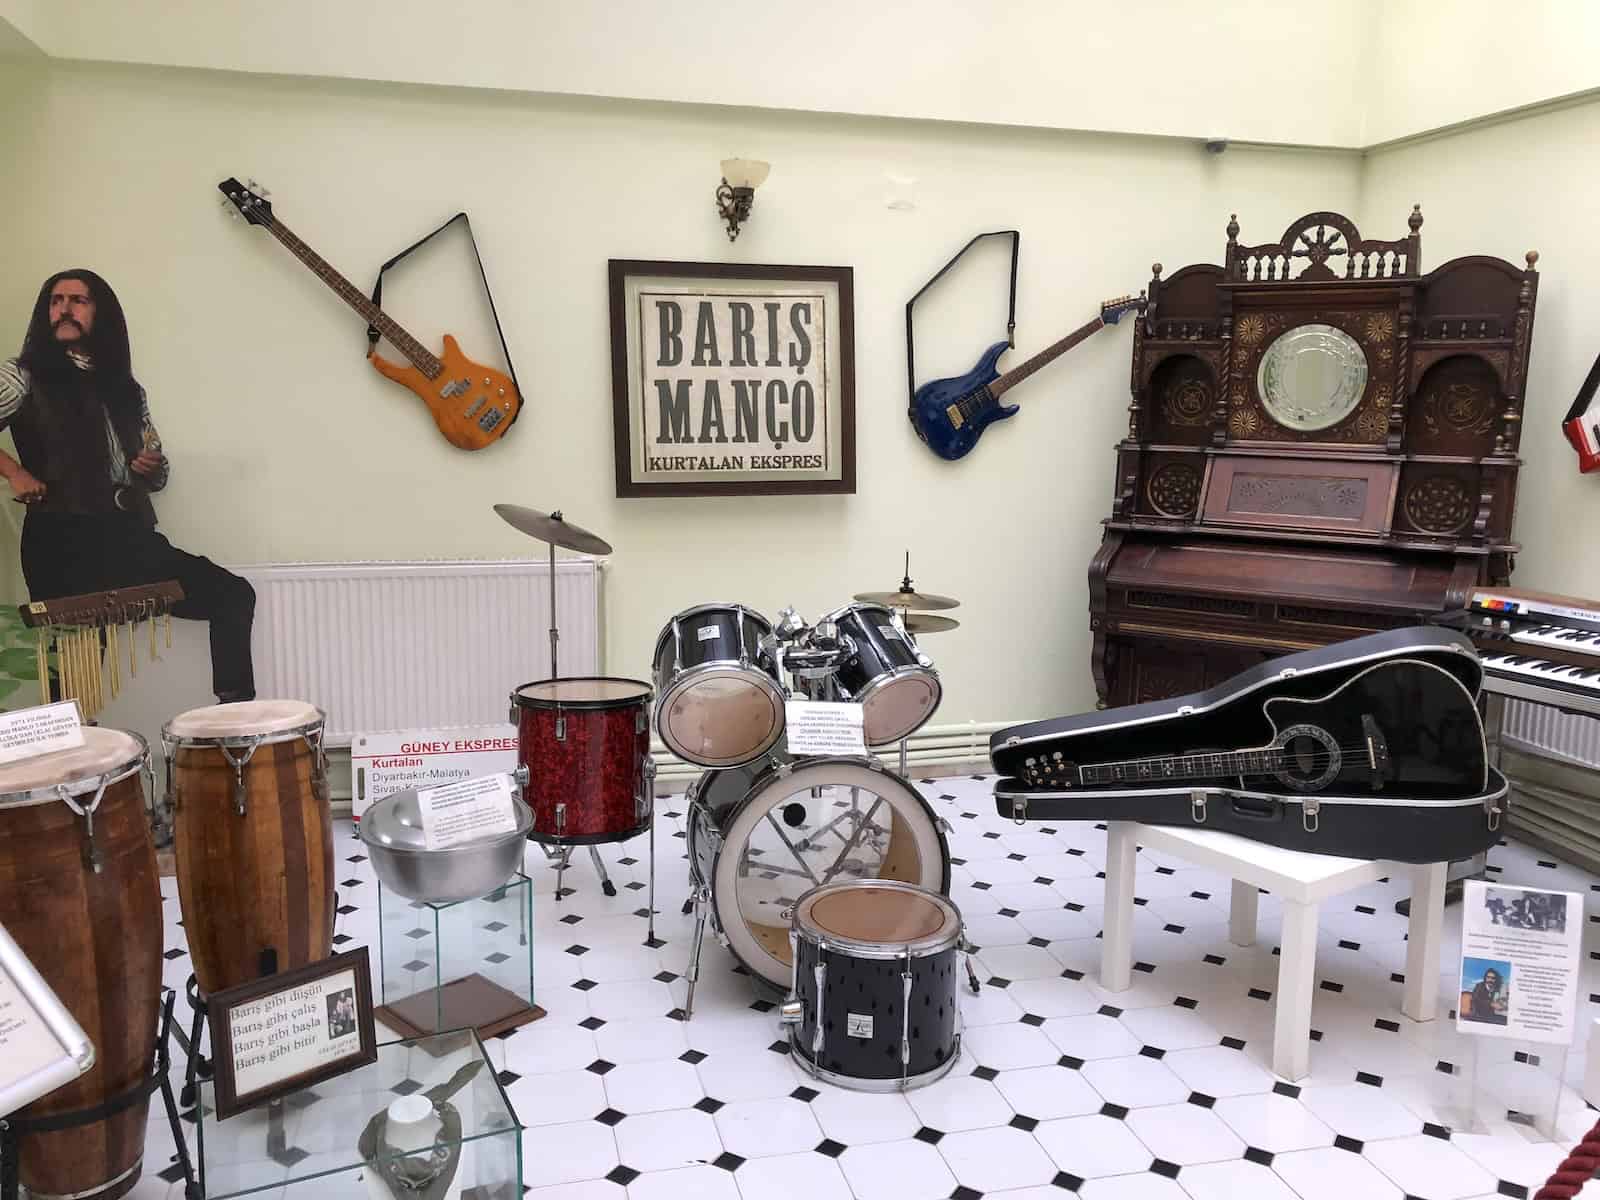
{"type": "Point", "coordinates": [1152, 67]}
{"type": "Point", "coordinates": [1431, 65]}
{"type": "Point", "coordinates": [1506, 189]}
{"type": "Point", "coordinates": [285, 446]}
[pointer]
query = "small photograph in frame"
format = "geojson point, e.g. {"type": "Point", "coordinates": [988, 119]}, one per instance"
{"type": "Point", "coordinates": [288, 1031]}
{"type": "Point", "coordinates": [732, 379]}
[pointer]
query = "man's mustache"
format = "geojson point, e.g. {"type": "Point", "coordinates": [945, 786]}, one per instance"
{"type": "Point", "coordinates": [67, 321]}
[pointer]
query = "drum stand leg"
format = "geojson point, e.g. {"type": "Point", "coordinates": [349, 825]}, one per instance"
{"type": "Point", "coordinates": [650, 938]}
{"type": "Point", "coordinates": [701, 900]}
{"type": "Point", "coordinates": [199, 1067]}
{"type": "Point", "coordinates": [561, 869]}
{"type": "Point", "coordinates": [606, 885]}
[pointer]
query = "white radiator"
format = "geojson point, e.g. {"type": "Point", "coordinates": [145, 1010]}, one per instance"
{"type": "Point", "coordinates": [1543, 730]}
{"type": "Point", "coordinates": [418, 645]}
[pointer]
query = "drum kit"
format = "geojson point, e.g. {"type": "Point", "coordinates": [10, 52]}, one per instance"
{"type": "Point", "coordinates": [824, 875]}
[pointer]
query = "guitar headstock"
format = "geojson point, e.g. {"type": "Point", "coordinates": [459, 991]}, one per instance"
{"type": "Point", "coordinates": [1112, 310]}
{"type": "Point", "coordinates": [251, 202]}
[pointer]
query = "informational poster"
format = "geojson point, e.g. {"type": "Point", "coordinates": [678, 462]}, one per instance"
{"type": "Point", "coordinates": [468, 811]}
{"type": "Point", "coordinates": [816, 727]}
{"type": "Point", "coordinates": [40, 730]}
{"type": "Point", "coordinates": [384, 763]}
{"type": "Point", "coordinates": [1520, 949]}
{"type": "Point", "coordinates": [41, 1046]}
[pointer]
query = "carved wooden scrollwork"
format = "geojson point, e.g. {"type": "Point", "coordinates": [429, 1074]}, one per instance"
{"type": "Point", "coordinates": [1174, 490]}
{"type": "Point", "coordinates": [1438, 504]}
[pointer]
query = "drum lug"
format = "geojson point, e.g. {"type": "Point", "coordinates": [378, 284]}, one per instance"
{"type": "Point", "coordinates": [784, 769]}
{"type": "Point", "coordinates": [905, 1019]}
{"type": "Point", "coordinates": [521, 776]}
{"type": "Point", "coordinates": [792, 1012]}
{"type": "Point", "coordinates": [561, 728]}
{"type": "Point", "coordinates": [238, 765]}
{"type": "Point", "coordinates": [561, 820]}
{"type": "Point", "coordinates": [641, 720]}
{"type": "Point", "coordinates": [818, 1034]}
{"type": "Point", "coordinates": [511, 713]}
{"type": "Point", "coordinates": [1197, 806]}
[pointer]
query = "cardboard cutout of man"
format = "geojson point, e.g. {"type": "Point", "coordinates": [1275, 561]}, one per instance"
{"type": "Point", "coordinates": [90, 458]}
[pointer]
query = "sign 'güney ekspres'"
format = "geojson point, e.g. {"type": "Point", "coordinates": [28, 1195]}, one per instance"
{"type": "Point", "coordinates": [732, 379]}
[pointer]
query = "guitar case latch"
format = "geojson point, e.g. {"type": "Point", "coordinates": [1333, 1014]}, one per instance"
{"type": "Point", "coordinates": [1019, 809]}
{"type": "Point", "coordinates": [1491, 807]}
{"type": "Point", "coordinates": [1197, 806]}
{"type": "Point", "coordinates": [1309, 808]}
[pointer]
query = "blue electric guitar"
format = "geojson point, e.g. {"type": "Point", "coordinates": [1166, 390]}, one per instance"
{"type": "Point", "coordinates": [950, 415]}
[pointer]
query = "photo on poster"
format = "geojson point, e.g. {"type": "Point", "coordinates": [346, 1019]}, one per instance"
{"type": "Point", "coordinates": [1520, 952]}
{"type": "Point", "coordinates": [1523, 908]}
{"type": "Point", "coordinates": [1485, 990]}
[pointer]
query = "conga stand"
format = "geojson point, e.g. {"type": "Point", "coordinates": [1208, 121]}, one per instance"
{"type": "Point", "coordinates": [14, 1129]}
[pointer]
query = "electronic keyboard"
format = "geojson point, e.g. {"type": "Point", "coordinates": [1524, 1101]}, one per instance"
{"type": "Point", "coordinates": [1538, 647]}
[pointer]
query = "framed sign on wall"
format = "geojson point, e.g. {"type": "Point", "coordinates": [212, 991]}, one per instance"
{"type": "Point", "coordinates": [732, 379]}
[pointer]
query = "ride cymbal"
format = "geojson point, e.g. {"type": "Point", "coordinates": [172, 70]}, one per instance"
{"type": "Point", "coordinates": [552, 528]}
{"type": "Point", "coordinates": [908, 598]}
{"type": "Point", "coordinates": [928, 623]}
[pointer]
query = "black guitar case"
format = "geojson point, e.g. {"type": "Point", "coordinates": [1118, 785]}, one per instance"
{"type": "Point", "coordinates": [1453, 810]}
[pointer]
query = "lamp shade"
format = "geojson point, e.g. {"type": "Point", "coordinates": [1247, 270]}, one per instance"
{"type": "Point", "coordinates": [745, 172]}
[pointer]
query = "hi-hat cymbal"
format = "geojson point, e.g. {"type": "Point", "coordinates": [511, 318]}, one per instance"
{"type": "Point", "coordinates": [928, 623]}
{"type": "Point", "coordinates": [552, 528]}
{"type": "Point", "coordinates": [908, 598]}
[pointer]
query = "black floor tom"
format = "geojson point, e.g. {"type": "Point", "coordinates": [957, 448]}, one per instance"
{"type": "Point", "coordinates": [876, 1004]}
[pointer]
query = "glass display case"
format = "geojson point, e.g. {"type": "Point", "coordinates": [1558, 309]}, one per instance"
{"type": "Point", "coordinates": [465, 965]}
{"type": "Point", "coordinates": [428, 1121]}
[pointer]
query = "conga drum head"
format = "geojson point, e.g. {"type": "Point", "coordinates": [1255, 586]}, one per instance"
{"type": "Point", "coordinates": [824, 820]}
{"type": "Point", "coordinates": [106, 755]}
{"type": "Point", "coordinates": [249, 720]}
{"type": "Point", "coordinates": [868, 915]}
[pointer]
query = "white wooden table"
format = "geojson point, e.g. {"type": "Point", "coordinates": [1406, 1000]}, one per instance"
{"type": "Point", "coordinates": [1303, 881]}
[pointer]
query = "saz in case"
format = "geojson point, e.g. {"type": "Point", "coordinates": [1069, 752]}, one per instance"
{"type": "Point", "coordinates": [1370, 748]}
{"type": "Point", "coordinates": [876, 1004]}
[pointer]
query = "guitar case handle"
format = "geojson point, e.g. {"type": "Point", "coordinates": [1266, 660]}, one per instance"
{"type": "Point", "coordinates": [377, 295]}
{"type": "Point", "coordinates": [1011, 313]}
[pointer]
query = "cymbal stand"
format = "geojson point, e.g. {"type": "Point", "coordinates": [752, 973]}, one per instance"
{"type": "Point", "coordinates": [555, 633]}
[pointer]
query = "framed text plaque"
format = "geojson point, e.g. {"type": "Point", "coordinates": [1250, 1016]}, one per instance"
{"type": "Point", "coordinates": [732, 379]}
{"type": "Point", "coordinates": [290, 1030]}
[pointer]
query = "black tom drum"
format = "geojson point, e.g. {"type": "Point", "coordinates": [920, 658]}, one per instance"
{"type": "Point", "coordinates": [885, 672]}
{"type": "Point", "coordinates": [721, 693]}
{"type": "Point", "coordinates": [876, 1004]}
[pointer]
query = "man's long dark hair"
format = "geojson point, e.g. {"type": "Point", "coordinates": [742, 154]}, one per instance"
{"type": "Point", "coordinates": [106, 344]}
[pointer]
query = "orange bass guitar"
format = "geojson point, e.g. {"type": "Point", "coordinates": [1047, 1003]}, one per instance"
{"type": "Point", "coordinates": [473, 405]}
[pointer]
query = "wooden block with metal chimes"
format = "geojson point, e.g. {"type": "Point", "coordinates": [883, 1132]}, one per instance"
{"type": "Point", "coordinates": [88, 631]}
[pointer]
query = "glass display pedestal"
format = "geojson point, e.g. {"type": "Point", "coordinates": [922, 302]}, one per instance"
{"type": "Point", "coordinates": [467, 965]}
{"type": "Point", "coordinates": [349, 1135]}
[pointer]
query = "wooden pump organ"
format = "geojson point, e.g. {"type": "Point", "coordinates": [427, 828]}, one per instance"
{"type": "Point", "coordinates": [1322, 442]}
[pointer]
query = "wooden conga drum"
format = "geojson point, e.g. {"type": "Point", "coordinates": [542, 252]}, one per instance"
{"type": "Point", "coordinates": [80, 896]}
{"type": "Point", "coordinates": [253, 836]}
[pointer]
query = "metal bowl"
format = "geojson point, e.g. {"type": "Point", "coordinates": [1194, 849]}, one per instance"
{"type": "Point", "coordinates": [392, 831]}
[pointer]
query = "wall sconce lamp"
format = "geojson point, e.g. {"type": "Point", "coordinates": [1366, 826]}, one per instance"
{"type": "Point", "coordinates": [740, 179]}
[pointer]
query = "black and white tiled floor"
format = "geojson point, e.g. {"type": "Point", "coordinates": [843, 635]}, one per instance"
{"type": "Point", "coordinates": [1160, 1092]}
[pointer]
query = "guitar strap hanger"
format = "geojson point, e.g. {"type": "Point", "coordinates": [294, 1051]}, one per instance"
{"type": "Point", "coordinates": [1011, 313]}
{"type": "Point", "coordinates": [373, 335]}
{"type": "Point", "coordinates": [1582, 422]}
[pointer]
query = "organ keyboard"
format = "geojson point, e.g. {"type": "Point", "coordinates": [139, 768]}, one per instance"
{"type": "Point", "coordinates": [1538, 647]}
